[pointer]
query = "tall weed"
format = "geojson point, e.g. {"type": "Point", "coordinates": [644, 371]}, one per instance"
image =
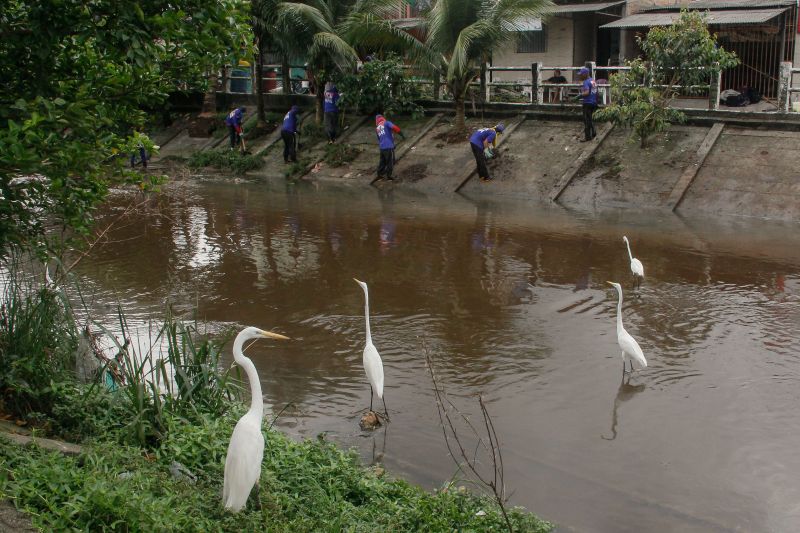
{"type": "Point", "coordinates": [38, 339]}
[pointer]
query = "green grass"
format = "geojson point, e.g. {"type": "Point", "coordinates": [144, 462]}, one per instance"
{"type": "Point", "coordinates": [231, 160]}
{"type": "Point", "coordinates": [340, 154]}
{"type": "Point", "coordinates": [306, 486]}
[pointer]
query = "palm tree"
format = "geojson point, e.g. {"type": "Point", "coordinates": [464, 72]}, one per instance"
{"type": "Point", "coordinates": [461, 32]}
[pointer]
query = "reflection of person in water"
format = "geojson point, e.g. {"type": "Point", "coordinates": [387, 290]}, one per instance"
{"type": "Point", "coordinates": [387, 234]}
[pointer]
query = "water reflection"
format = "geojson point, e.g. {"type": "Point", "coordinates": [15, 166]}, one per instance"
{"type": "Point", "coordinates": [513, 303]}
{"type": "Point", "coordinates": [625, 392]}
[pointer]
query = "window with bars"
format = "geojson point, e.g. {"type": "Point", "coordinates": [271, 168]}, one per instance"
{"type": "Point", "coordinates": [532, 42]}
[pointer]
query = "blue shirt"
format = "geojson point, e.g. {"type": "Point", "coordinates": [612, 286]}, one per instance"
{"type": "Point", "coordinates": [234, 118]}
{"type": "Point", "coordinates": [290, 122]}
{"type": "Point", "coordinates": [385, 135]}
{"type": "Point", "coordinates": [591, 86]}
{"type": "Point", "coordinates": [331, 97]}
{"type": "Point", "coordinates": [483, 134]}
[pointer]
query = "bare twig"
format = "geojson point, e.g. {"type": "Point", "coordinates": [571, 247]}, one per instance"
{"type": "Point", "coordinates": [466, 461]}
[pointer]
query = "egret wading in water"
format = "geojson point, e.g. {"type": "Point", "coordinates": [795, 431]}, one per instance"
{"type": "Point", "coordinates": [637, 269]}
{"type": "Point", "coordinates": [246, 449]}
{"type": "Point", "coordinates": [630, 348]}
{"type": "Point", "coordinates": [373, 366]}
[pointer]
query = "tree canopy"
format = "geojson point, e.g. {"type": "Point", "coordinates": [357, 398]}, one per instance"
{"type": "Point", "coordinates": [77, 78]}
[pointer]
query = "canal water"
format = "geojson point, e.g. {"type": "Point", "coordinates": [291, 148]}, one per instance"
{"type": "Point", "coordinates": [512, 303]}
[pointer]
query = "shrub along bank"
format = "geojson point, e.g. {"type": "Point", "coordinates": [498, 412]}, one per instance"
{"type": "Point", "coordinates": [128, 477]}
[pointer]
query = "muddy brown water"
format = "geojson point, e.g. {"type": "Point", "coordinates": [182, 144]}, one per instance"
{"type": "Point", "coordinates": [512, 301]}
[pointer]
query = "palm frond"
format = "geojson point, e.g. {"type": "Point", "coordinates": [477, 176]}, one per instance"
{"type": "Point", "coordinates": [336, 48]}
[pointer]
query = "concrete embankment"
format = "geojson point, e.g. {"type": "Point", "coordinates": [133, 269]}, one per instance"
{"type": "Point", "coordinates": [739, 165]}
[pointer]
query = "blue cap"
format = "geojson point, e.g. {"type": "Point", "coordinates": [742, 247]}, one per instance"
{"type": "Point", "coordinates": [584, 70]}
{"type": "Point", "coordinates": [500, 128]}
{"type": "Point", "coordinates": [295, 108]}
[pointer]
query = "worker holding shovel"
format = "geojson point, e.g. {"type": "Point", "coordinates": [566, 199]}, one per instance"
{"type": "Point", "coordinates": [289, 133]}
{"type": "Point", "coordinates": [234, 123]}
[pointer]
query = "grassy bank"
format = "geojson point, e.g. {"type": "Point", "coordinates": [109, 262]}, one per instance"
{"type": "Point", "coordinates": [306, 486]}
{"type": "Point", "coordinates": [181, 408]}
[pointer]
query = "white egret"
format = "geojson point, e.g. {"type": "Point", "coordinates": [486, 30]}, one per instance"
{"type": "Point", "coordinates": [630, 348]}
{"type": "Point", "coordinates": [246, 449]}
{"type": "Point", "coordinates": [637, 269]}
{"type": "Point", "coordinates": [373, 366]}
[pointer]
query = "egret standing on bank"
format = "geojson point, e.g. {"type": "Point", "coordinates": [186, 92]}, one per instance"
{"type": "Point", "coordinates": [373, 366]}
{"type": "Point", "coordinates": [636, 266]}
{"type": "Point", "coordinates": [630, 348]}
{"type": "Point", "coordinates": [246, 449]}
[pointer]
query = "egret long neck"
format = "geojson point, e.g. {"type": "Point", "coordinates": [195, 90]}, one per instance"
{"type": "Point", "coordinates": [256, 399]}
{"type": "Point", "coordinates": [366, 313]}
{"type": "Point", "coordinates": [629, 249]}
{"type": "Point", "coordinates": [619, 310]}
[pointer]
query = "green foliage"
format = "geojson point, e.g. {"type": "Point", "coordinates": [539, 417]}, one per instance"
{"type": "Point", "coordinates": [37, 346]}
{"type": "Point", "coordinates": [306, 486]}
{"type": "Point", "coordinates": [232, 160]}
{"type": "Point", "coordinates": [380, 87]}
{"type": "Point", "coordinates": [76, 77]}
{"type": "Point", "coordinates": [186, 381]}
{"type": "Point", "coordinates": [684, 54]}
{"type": "Point", "coordinates": [340, 154]}
{"type": "Point", "coordinates": [462, 34]}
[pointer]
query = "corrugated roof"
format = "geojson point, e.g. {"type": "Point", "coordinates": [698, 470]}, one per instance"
{"type": "Point", "coordinates": [644, 20]}
{"type": "Point", "coordinates": [721, 4]}
{"type": "Point", "coordinates": [582, 8]}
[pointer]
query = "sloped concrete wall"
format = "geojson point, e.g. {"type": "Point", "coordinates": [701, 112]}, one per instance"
{"type": "Point", "coordinates": [749, 173]}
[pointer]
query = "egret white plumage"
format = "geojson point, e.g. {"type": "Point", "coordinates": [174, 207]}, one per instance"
{"type": "Point", "coordinates": [246, 449]}
{"type": "Point", "coordinates": [373, 366]}
{"type": "Point", "coordinates": [630, 348]}
{"type": "Point", "coordinates": [637, 269]}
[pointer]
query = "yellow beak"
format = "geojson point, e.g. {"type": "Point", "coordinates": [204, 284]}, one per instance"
{"type": "Point", "coordinates": [276, 336]}
{"type": "Point", "coordinates": [354, 279]}
{"type": "Point", "coordinates": [610, 282]}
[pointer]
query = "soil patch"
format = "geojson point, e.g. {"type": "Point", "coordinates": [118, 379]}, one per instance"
{"type": "Point", "coordinates": [413, 173]}
{"type": "Point", "coordinates": [453, 136]}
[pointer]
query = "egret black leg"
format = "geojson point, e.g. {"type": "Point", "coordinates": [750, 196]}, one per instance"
{"type": "Point", "coordinates": [385, 410]}
{"type": "Point", "coordinates": [257, 494]}
{"type": "Point", "coordinates": [370, 397]}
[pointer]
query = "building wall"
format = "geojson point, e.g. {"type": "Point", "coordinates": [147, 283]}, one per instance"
{"type": "Point", "coordinates": [559, 52]}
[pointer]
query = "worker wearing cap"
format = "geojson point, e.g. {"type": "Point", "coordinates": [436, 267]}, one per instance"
{"type": "Point", "coordinates": [481, 143]}
{"type": "Point", "coordinates": [234, 123]}
{"type": "Point", "coordinates": [385, 131]}
{"type": "Point", "coordinates": [589, 99]}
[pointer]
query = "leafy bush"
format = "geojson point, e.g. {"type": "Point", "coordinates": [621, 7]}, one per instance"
{"type": "Point", "coordinates": [340, 154]}
{"type": "Point", "coordinates": [231, 160]}
{"type": "Point", "coordinates": [684, 54]}
{"type": "Point", "coordinates": [380, 87]}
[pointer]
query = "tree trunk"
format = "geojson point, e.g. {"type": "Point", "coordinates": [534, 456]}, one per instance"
{"type": "Point", "coordinates": [460, 120]}
{"type": "Point", "coordinates": [210, 98]}
{"type": "Point", "coordinates": [286, 75]}
{"type": "Point", "coordinates": [319, 92]}
{"type": "Point", "coordinates": [261, 123]}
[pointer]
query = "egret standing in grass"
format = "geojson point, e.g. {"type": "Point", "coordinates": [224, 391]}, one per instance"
{"type": "Point", "coordinates": [637, 269]}
{"type": "Point", "coordinates": [373, 366]}
{"type": "Point", "coordinates": [630, 348]}
{"type": "Point", "coordinates": [246, 449]}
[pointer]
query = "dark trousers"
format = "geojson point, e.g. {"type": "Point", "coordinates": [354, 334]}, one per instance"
{"type": "Point", "coordinates": [142, 157]}
{"type": "Point", "coordinates": [386, 165]}
{"type": "Point", "coordinates": [234, 136]}
{"type": "Point", "coordinates": [588, 123]}
{"type": "Point", "coordinates": [480, 161]}
{"type": "Point", "coordinates": [289, 146]}
{"type": "Point", "coordinates": [331, 124]}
